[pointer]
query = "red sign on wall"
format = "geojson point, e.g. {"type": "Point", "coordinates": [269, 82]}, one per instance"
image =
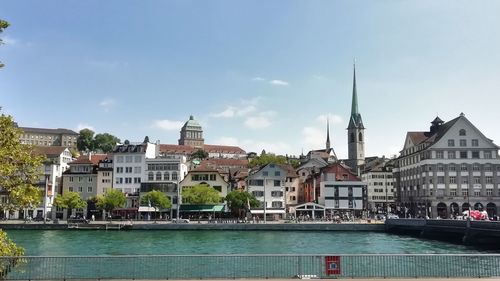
{"type": "Point", "coordinates": [332, 264]}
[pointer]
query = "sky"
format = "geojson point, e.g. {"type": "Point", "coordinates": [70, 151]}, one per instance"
{"type": "Point", "coordinates": [256, 74]}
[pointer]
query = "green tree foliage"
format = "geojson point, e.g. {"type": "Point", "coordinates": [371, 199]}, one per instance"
{"type": "Point", "coordinates": [199, 154]}
{"type": "Point", "coordinates": [157, 199]}
{"type": "Point", "coordinates": [200, 194]}
{"type": "Point", "coordinates": [85, 140]}
{"type": "Point", "coordinates": [105, 142]}
{"type": "Point", "coordinates": [19, 174]}
{"type": "Point", "coordinates": [112, 199]}
{"type": "Point", "coordinates": [3, 25]}
{"type": "Point", "coordinates": [19, 168]}
{"type": "Point", "coordinates": [239, 200]}
{"type": "Point", "coordinates": [70, 200]}
{"type": "Point", "coordinates": [266, 158]}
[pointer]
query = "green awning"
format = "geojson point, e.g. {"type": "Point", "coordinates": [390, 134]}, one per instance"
{"type": "Point", "coordinates": [202, 208]}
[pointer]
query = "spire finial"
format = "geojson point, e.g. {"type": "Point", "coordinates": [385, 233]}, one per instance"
{"type": "Point", "coordinates": [327, 132]}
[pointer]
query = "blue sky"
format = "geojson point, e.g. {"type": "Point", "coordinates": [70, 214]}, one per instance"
{"type": "Point", "coordinates": [257, 74]}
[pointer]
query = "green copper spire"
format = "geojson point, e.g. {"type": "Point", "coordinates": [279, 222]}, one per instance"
{"type": "Point", "coordinates": [354, 107]}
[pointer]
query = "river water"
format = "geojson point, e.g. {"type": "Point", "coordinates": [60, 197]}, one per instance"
{"type": "Point", "coordinates": [168, 242]}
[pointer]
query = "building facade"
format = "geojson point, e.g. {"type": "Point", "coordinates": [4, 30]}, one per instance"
{"type": "Point", "coordinates": [447, 170]}
{"type": "Point", "coordinates": [267, 184]}
{"type": "Point", "coordinates": [380, 185]}
{"type": "Point", "coordinates": [49, 137]}
{"type": "Point", "coordinates": [192, 134]}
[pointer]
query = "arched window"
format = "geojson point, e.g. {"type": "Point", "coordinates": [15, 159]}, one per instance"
{"type": "Point", "coordinates": [151, 176]}
{"type": "Point", "coordinates": [158, 176]}
{"type": "Point", "coordinates": [353, 138]}
{"type": "Point", "coordinates": [360, 137]}
{"type": "Point", "coordinates": [166, 176]}
{"type": "Point", "coordinates": [462, 132]}
{"type": "Point", "coordinates": [174, 176]}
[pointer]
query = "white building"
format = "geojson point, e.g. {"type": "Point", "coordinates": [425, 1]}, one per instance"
{"type": "Point", "coordinates": [377, 173]}
{"type": "Point", "coordinates": [447, 170]}
{"type": "Point", "coordinates": [129, 161]}
{"type": "Point", "coordinates": [267, 184]}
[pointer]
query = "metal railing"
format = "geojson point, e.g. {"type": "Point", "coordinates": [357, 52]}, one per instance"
{"type": "Point", "coordinates": [249, 266]}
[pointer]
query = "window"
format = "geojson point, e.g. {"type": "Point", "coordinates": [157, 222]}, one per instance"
{"type": "Point", "coordinates": [487, 168]}
{"type": "Point", "coordinates": [360, 137]}
{"type": "Point", "coordinates": [277, 193]}
{"type": "Point", "coordinates": [475, 167]}
{"type": "Point", "coordinates": [258, 193]}
{"type": "Point", "coordinates": [128, 170]}
{"type": "Point", "coordinates": [137, 170]}
{"type": "Point", "coordinates": [128, 159]}
{"type": "Point", "coordinates": [452, 167]}
{"type": "Point", "coordinates": [465, 180]}
{"type": "Point", "coordinates": [277, 183]}
{"type": "Point", "coordinates": [174, 176]}
{"type": "Point", "coordinates": [440, 180]}
{"type": "Point", "coordinates": [89, 189]}
{"type": "Point", "coordinates": [465, 192]}
{"type": "Point", "coordinates": [489, 179]}
{"type": "Point", "coordinates": [353, 138]}
{"type": "Point", "coordinates": [477, 180]}
{"type": "Point", "coordinates": [166, 176]}
{"type": "Point", "coordinates": [463, 154]}
{"type": "Point", "coordinates": [453, 180]}
{"type": "Point", "coordinates": [70, 179]}
{"type": "Point", "coordinates": [439, 155]}
{"type": "Point", "coordinates": [477, 193]}
{"type": "Point", "coordinates": [119, 180]}
{"type": "Point", "coordinates": [451, 143]}
{"type": "Point", "coordinates": [440, 168]}
{"type": "Point", "coordinates": [277, 204]}
{"type": "Point", "coordinates": [70, 189]}
{"type": "Point", "coordinates": [277, 173]}
{"type": "Point", "coordinates": [475, 142]}
{"type": "Point", "coordinates": [151, 176]}
{"type": "Point", "coordinates": [137, 159]}
{"type": "Point", "coordinates": [137, 180]}
{"type": "Point", "coordinates": [119, 170]}
{"type": "Point", "coordinates": [158, 176]}
{"type": "Point", "coordinates": [212, 177]}
{"type": "Point", "coordinates": [463, 167]}
{"type": "Point", "coordinates": [90, 179]}
{"type": "Point", "coordinates": [265, 173]}
{"type": "Point", "coordinates": [463, 143]}
{"type": "Point", "coordinates": [451, 155]}
{"type": "Point", "coordinates": [453, 192]}
{"type": "Point", "coordinates": [128, 180]}
{"type": "Point", "coordinates": [489, 192]}
{"type": "Point", "coordinates": [461, 132]}
{"type": "Point", "coordinates": [475, 154]}
{"type": "Point", "coordinates": [119, 159]}
{"type": "Point", "coordinates": [80, 189]}
{"type": "Point", "coordinates": [487, 154]}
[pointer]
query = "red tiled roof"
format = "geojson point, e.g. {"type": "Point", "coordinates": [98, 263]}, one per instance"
{"type": "Point", "coordinates": [417, 137]}
{"type": "Point", "coordinates": [94, 159]}
{"type": "Point", "coordinates": [186, 149]}
{"type": "Point", "coordinates": [48, 150]}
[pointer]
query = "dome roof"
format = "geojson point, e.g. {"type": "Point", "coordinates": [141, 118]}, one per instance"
{"type": "Point", "coordinates": [192, 123]}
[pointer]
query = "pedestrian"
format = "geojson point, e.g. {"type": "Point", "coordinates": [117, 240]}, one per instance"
{"type": "Point", "coordinates": [93, 217]}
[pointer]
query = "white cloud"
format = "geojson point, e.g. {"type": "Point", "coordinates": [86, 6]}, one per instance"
{"type": "Point", "coordinates": [334, 119]}
{"type": "Point", "coordinates": [107, 104]}
{"type": "Point", "coordinates": [313, 137]}
{"type": "Point", "coordinates": [9, 40]}
{"type": "Point", "coordinates": [82, 126]}
{"type": "Point", "coordinates": [232, 111]}
{"type": "Point", "coordinates": [258, 79]}
{"type": "Point", "coordinates": [257, 122]}
{"type": "Point", "coordinates": [279, 82]}
{"type": "Point", "coordinates": [168, 125]}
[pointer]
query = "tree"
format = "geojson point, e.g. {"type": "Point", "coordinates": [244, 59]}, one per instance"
{"type": "Point", "coordinates": [266, 158]}
{"type": "Point", "coordinates": [70, 200]}
{"type": "Point", "coordinates": [199, 154]}
{"type": "Point", "coordinates": [105, 142]}
{"type": "Point", "coordinates": [19, 167]}
{"type": "Point", "coordinates": [238, 201]}
{"type": "Point", "coordinates": [157, 200]}
{"type": "Point", "coordinates": [3, 25]}
{"type": "Point", "coordinates": [19, 174]}
{"type": "Point", "coordinates": [85, 140]}
{"type": "Point", "coordinates": [112, 199]}
{"type": "Point", "coordinates": [200, 194]}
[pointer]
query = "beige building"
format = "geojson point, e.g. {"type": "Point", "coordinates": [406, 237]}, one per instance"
{"type": "Point", "coordinates": [207, 176]}
{"type": "Point", "coordinates": [49, 137]}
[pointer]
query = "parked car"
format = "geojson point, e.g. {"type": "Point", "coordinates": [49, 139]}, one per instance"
{"type": "Point", "coordinates": [392, 216]}
{"type": "Point", "coordinates": [180, 220]}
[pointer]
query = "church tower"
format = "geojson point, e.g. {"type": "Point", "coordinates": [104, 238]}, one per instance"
{"type": "Point", "coordinates": [355, 132]}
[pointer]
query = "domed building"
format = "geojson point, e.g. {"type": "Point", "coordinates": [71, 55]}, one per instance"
{"type": "Point", "coordinates": [192, 134]}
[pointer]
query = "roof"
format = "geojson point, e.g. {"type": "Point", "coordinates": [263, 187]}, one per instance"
{"type": "Point", "coordinates": [291, 173]}
{"type": "Point", "coordinates": [420, 137]}
{"type": "Point", "coordinates": [186, 149]}
{"type": "Point", "coordinates": [49, 150]}
{"type": "Point", "coordinates": [94, 159]}
{"type": "Point", "coordinates": [48, 131]}
{"type": "Point", "coordinates": [191, 123]}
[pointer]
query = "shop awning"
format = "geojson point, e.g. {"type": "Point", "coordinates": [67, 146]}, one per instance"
{"type": "Point", "coordinates": [146, 209]}
{"type": "Point", "coordinates": [202, 208]}
{"type": "Point", "coordinates": [267, 211]}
